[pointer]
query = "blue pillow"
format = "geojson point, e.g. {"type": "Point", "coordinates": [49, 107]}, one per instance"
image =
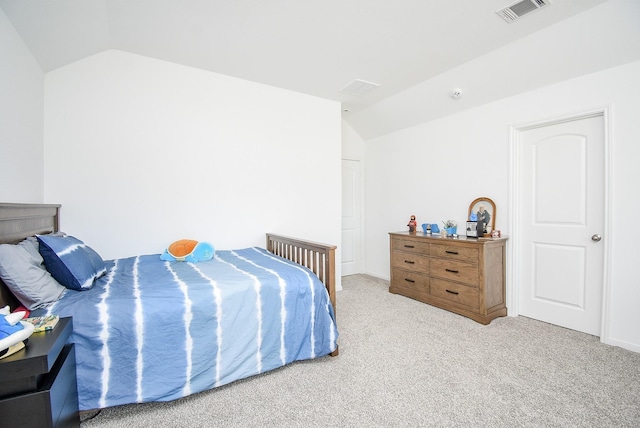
{"type": "Point", "coordinates": [70, 261]}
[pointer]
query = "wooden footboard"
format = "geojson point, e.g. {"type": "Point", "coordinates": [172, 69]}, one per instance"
{"type": "Point", "coordinates": [319, 258]}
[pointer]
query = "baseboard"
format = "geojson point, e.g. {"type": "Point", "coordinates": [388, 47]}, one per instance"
{"type": "Point", "coordinates": [385, 278]}
{"type": "Point", "coordinates": [622, 344]}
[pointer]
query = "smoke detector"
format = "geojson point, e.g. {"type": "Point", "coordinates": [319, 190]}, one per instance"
{"type": "Point", "coordinates": [518, 9]}
{"type": "Point", "coordinates": [456, 93]}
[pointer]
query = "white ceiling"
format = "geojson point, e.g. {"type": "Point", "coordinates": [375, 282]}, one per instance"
{"type": "Point", "coordinates": [313, 47]}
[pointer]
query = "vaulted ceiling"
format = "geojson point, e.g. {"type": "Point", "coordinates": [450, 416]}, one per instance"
{"type": "Point", "coordinates": [313, 47]}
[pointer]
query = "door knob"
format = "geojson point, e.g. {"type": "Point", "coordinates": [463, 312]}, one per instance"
{"type": "Point", "coordinates": [596, 237]}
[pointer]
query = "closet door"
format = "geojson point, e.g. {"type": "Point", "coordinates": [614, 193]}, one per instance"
{"type": "Point", "coordinates": [351, 217]}
{"type": "Point", "coordinates": [562, 205]}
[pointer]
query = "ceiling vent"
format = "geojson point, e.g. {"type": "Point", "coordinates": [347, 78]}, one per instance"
{"type": "Point", "coordinates": [518, 9]}
{"type": "Point", "coordinates": [359, 87]}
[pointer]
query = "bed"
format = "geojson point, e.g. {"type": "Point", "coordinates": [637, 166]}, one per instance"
{"type": "Point", "coordinates": [152, 330]}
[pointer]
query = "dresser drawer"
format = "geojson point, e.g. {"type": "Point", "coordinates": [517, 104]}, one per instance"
{"type": "Point", "coordinates": [454, 252]}
{"type": "Point", "coordinates": [408, 279]}
{"type": "Point", "coordinates": [409, 261]}
{"type": "Point", "coordinates": [410, 246]}
{"type": "Point", "coordinates": [455, 271]}
{"type": "Point", "coordinates": [456, 293]}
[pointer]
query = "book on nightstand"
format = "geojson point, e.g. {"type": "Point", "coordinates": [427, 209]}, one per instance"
{"type": "Point", "coordinates": [44, 323]}
{"type": "Point", "coordinates": [12, 350]}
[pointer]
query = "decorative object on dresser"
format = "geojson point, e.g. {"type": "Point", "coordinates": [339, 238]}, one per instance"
{"type": "Point", "coordinates": [465, 275]}
{"type": "Point", "coordinates": [472, 229]}
{"type": "Point", "coordinates": [450, 227]}
{"type": "Point", "coordinates": [483, 212]}
{"type": "Point", "coordinates": [412, 223]}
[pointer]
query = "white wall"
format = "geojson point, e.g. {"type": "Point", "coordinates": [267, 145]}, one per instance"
{"type": "Point", "coordinates": [353, 146]}
{"type": "Point", "coordinates": [21, 119]}
{"type": "Point", "coordinates": [142, 152]}
{"type": "Point", "coordinates": [435, 169]}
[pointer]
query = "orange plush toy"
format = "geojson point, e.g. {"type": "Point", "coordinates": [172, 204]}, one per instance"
{"type": "Point", "coordinates": [182, 248]}
{"type": "Point", "coordinates": [188, 250]}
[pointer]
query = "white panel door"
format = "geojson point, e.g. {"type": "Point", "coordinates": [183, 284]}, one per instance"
{"type": "Point", "coordinates": [351, 217]}
{"type": "Point", "coordinates": [562, 222]}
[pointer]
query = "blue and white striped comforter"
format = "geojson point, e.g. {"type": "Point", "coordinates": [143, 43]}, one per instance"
{"type": "Point", "coordinates": [151, 330]}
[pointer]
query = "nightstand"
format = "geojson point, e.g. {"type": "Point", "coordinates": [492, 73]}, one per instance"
{"type": "Point", "coordinates": [38, 383]}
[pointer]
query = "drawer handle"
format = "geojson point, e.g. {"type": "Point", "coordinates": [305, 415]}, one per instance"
{"type": "Point", "coordinates": [409, 246]}
{"type": "Point", "coordinates": [451, 270]}
{"type": "Point", "coordinates": [452, 292]}
{"type": "Point", "coordinates": [451, 252]}
{"type": "Point", "coordinates": [409, 280]}
{"type": "Point", "coordinates": [410, 262]}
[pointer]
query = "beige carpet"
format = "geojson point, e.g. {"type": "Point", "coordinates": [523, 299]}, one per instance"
{"type": "Point", "coordinates": [406, 364]}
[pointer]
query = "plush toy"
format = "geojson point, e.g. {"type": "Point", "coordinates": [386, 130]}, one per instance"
{"type": "Point", "coordinates": [12, 330]}
{"type": "Point", "coordinates": [188, 250]}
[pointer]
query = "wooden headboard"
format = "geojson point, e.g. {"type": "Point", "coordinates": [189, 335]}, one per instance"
{"type": "Point", "coordinates": [17, 221]}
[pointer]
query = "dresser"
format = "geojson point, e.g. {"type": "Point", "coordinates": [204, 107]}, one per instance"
{"type": "Point", "coordinates": [461, 275]}
{"type": "Point", "coordinates": [38, 383]}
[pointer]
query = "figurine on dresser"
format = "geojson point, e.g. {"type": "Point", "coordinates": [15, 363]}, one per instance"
{"type": "Point", "coordinates": [412, 224]}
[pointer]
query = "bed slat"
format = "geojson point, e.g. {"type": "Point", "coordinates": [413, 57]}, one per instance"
{"type": "Point", "coordinates": [319, 258]}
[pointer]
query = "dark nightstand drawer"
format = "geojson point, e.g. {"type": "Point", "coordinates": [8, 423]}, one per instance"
{"type": "Point", "coordinates": [38, 384]}
{"type": "Point", "coordinates": [22, 372]}
{"type": "Point", "coordinates": [55, 404]}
